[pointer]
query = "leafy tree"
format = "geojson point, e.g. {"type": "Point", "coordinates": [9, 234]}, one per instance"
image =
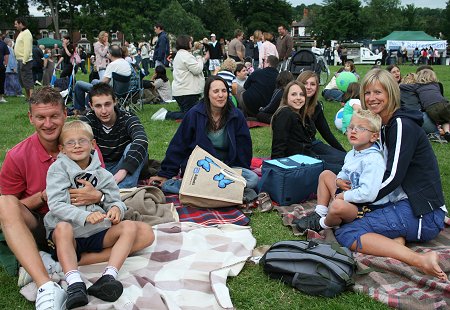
{"type": "Point", "coordinates": [216, 15]}
{"type": "Point", "coordinates": [381, 17]}
{"type": "Point", "coordinates": [12, 9]}
{"type": "Point", "coordinates": [432, 21]}
{"type": "Point", "coordinates": [265, 15]}
{"type": "Point", "coordinates": [177, 21]}
{"type": "Point", "coordinates": [337, 20]}
{"type": "Point", "coordinates": [135, 18]}
{"type": "Point", "coordinates": [410, 14]}
{"type": "Point", "coordinates": [446, 24]}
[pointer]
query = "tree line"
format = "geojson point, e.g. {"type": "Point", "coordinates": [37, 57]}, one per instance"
{"type": "Point", "coordinates": [333, 20]}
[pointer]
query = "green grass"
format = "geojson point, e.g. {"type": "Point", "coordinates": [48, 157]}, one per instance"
{"type": "Point", "coordinates": [252, 289]}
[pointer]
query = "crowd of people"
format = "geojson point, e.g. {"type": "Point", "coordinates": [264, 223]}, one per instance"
{"type": "Point", "coordinates": [390, 177]}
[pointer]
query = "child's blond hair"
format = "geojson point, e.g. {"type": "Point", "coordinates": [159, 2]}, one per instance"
{"type": "Point", "coordinates": [373, 119]}
{"type": "Point", "coordinates": [228, 64]}
{"type": "Point", "coordinates": [197, 45]}
{"type": "Point", "coordinates": [410, 78]}
{"type": "Point", "coordinates": [76, 125]}
{"type": "Point", "coordinates": [426, 76]}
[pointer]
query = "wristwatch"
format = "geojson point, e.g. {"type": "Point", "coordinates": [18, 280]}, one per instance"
{"type": "Point", "coordinates": [102, 200]}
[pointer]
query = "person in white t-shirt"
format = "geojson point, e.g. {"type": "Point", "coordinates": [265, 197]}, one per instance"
{"type": "Point", "coordinates": [117, 64]}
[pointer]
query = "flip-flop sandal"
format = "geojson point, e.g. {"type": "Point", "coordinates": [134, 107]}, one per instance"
{"type": "Point", "coordinates": [264, 202]}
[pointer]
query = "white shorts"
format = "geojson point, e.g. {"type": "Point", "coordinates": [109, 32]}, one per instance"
{"type": "Point", "coordinates": [214, 64]}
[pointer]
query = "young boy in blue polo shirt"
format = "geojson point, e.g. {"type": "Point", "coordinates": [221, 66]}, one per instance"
{"type": "Point", "coordinates": [357, 184]}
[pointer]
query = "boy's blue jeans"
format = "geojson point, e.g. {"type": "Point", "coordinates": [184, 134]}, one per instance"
{"type": "Point", "coordinates": [131, 180]}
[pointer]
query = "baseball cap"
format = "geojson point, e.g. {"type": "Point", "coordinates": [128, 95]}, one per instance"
{"type": "Point", "coordinates": [212, 35]}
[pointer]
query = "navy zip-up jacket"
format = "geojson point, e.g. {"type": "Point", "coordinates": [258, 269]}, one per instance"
{"type": "Point", "coordinates": [193, 131]}
{"type": "Point", "coordinates": [411, 163]}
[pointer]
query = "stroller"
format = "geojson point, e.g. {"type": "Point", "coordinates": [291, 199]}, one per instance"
{"type": "Point", "coordinates": [304, 60]}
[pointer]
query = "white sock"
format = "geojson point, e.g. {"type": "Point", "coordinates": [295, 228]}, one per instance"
{"type": "Point", "coordinates": [111, 270]}
{"type": "Point", "coordinates": [322, 223]}
{"type": "Point", "coordinates": [73, 276]}
{"type": "Point", "coordinates": [321, 210]}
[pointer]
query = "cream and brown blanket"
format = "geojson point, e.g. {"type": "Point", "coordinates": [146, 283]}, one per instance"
{"type": "Point", "coordinates": [185, 268]}
{"type": "Point", "coordinates": [388, 280]}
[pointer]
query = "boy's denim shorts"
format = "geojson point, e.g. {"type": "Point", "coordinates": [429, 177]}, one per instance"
{"type": "Point", "coordinates": [392, 221]}
{"type": "Point", "coordinates": [92, 243]}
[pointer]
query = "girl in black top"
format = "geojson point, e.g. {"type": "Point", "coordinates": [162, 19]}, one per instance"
{"type": "Point", "coordinates": [301, 138]}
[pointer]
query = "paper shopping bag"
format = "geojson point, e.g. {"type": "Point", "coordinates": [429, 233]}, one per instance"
{"type": "Point", "coordinates": [209, 183]}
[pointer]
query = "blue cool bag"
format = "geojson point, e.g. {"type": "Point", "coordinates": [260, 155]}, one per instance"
{"type": "Point", "coordinates": [290, 179]}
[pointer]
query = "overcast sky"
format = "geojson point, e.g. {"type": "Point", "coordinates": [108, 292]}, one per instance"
{"type": "Point", "coordinates": [434, 4]}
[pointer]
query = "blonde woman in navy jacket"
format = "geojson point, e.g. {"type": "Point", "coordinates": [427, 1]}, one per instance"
{"type": "Point", "coordinates": [412, 181]}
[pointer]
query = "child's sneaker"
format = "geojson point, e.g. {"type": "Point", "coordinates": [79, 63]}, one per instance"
{"type": "Point", "coordinates": [435, 137]}
{"type": "Point", "coordinates": [311, 221]}
{"type": "Point", "coordinates": [76, 295]}
{"type": "Point", "coordinates": [159, 115]}
{"type": "Point", "coordinates": [50, 296]}
{"type": "Point", "coordinates": [106, 288]}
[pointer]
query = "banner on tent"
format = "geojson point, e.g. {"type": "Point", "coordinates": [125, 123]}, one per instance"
{"type": "Point", "coordinates": [410, 45]}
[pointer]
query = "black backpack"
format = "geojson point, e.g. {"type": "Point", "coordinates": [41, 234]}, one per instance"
{"type": "Point", "coordinates": [313, 268]}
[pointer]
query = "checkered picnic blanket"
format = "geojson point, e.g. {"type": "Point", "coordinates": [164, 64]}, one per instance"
{"type": "Point", "coordinates": [185, 268]}
{"type": "Point", "coordinates": [208, 217]}
{"type": "Point", "coordinates": [392, 282]}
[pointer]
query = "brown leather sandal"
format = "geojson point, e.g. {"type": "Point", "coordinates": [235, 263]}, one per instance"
{"type": "Point", "coordinates": [263, 202]}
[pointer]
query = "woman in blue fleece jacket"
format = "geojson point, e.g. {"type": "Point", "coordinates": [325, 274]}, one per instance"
{"type": "Point", "coordinates": [412, 182]}
{"type": "Point", "coordinates": [216, 126]}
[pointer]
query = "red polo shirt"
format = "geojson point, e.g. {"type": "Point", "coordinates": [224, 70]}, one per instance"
{"type": "Point", "coordinates": [24, 170]}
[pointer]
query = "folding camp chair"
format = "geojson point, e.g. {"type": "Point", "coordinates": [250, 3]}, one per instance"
{"type": "Point", "coordinates": [121, 88]}
{"type": "Point", "coordinates": [128, 90]}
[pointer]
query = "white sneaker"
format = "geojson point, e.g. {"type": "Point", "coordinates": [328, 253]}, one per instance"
{"type": "Point", "coordinates": [64, 93]}
{"type": "Point", "coordinates": [160, 115]}
{"type": "Point", "coordinates": [3, 100]}
{"type": "Point", "coordinates": [53, 268]}
{"type": "Point", "coordinates": [51, 296]}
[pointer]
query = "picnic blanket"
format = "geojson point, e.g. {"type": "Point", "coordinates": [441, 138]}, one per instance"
{"type": "Point", "coordinates": [391, 282]}
{"type": "Point", "coordinates": [208, 217]}
{"type": "Point", "coordinates": [254, 124]}
{"type": "Point", "coordinates": [185, 268]}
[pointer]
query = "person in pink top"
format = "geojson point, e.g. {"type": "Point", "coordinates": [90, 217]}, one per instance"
{"type": "Point", "coordinates": [101, 49]}
{"type": "Point", "coordinates": [267, 49]}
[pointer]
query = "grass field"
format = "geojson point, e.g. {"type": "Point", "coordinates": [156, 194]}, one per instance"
{"type": "Point", "coordinates": [252, 289]}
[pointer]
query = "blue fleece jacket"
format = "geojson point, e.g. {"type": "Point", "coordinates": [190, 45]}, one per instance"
{"type": "Point", "coordinates": [193, 131]}
{"type": "Point", "coordinates": [411, 163]}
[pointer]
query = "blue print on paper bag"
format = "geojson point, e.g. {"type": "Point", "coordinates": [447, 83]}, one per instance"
{"type": "Point", "coordinates": [221, 181]}
{"type": "Point", "coordinates": [206, 163]}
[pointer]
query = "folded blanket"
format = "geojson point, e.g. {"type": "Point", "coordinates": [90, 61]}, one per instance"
{"type": "Point", "coordinates": [185, 268]}
{"type": "Point", "coordinates": [148, 204]}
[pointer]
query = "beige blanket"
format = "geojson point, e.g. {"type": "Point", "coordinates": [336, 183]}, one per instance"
{"type": "Point", "coordinates": [186, 268]}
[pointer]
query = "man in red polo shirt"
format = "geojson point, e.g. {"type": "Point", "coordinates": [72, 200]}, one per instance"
{"type": "Point", "coordinates": [23, 201]}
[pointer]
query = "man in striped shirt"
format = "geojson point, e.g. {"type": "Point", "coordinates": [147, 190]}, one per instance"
{"type": "Point", "coordinates": [119, 134]}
